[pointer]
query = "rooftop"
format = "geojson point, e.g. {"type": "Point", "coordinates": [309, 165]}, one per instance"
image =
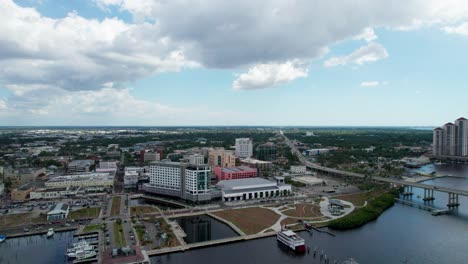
{"type": "Point", "coordinates": [82, 177]}
{"type": "Point", "coordinates": [255, 161]}
{"type": "Point", "coordinates": [238, 169]}
{"type": "Point", "coordinates": [245, 183]}
{"type": "Point", "coordinates": [81, 163]}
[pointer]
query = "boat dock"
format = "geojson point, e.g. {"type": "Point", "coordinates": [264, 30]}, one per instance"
{"type": "Point", "coordinates": [433, 210]}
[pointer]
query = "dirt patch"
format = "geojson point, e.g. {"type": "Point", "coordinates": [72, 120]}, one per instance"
{"type": "Point", "coordinates": [142, 210]}
{"type": "Point", "coordinates": [21, 219]}
{"type": "Point", "coordinates": [359, 199]}
{"type": "Point", "coordinates": [250, 220]}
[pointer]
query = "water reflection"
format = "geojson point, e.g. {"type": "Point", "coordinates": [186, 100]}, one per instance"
{"type": "Point", "coordinates": [204, 228]}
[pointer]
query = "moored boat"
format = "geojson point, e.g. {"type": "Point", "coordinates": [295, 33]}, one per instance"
{"type": "Point", "coordinates": [291, 240]}
{"type": "Point", "coordinates": [2, 238]}
{"type": "Point", "coordinates": [50, 232]}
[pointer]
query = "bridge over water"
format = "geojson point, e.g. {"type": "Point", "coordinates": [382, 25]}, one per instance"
{"type": "Point", "coordinates": [408, 186]}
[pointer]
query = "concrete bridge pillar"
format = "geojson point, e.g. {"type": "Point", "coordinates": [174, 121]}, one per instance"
{"type": "Point", "coordinates": [428, 195]}
{"type": "Point", "coordinates": [453, 200]}
{"type": "Point", "coordinates": [407, 190]}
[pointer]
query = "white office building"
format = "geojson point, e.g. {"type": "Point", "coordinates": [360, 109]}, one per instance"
{"type": "Point", "coordinates": [244, 147]}
{"type": "Point", "coordinates": [187, 181]}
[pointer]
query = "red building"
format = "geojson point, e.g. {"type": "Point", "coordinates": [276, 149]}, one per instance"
{"type": "Point", "coordinates": [234, 173]}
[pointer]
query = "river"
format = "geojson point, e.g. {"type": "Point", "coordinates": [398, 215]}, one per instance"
{"type": "Point", "coordinates": [402, 234]}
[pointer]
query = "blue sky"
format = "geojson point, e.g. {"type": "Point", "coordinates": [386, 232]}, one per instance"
{"type": "Point", "coordinates": [119, 62]}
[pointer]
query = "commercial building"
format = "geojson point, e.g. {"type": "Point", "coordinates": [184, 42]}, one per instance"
{"type": "Point", "coordinates": [316, 152]}
{"type": "Point", "coordinates": [186, 181]}
{"type": "Point", "coordinates": [80, 166]}
{"type": "Point", "coordinates": [107, 166]}
{"type": "Point", "coordinates": [222, 158]}
{"type": "Point", "coordinates": [267, 151]}
{"type": "Point", "coordinates": [252, 188]}
{"type": "Point", "coordinates": [59, 212]}
{"type": "Point", "coordinates": [21, 176]}
{"type": "Point", "coordinates": [298, 169]}
{"type": "Point", "coordinates": [196, 159]}
{"type": "Point", "coordinates": [21, 193]}
{"type": "Point", "coordinates": [244, 147]}
{"type": "Point", "coordinates": [451, 139]}
{"type": "Point", "coordinates": [234, 173]}
{"type": "Point", "coordinates": [151, 156]}
{"type": "Point", "coordinates": [53, 193]}
{"type": "Point", "coordinates": [260, 165]}
{"type": "Point", "coordinates": [82, 180]}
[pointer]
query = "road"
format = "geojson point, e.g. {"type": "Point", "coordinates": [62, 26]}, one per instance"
{"type": "Point", "coordinates": [316, 167]}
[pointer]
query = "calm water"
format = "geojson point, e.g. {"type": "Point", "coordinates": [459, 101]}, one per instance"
{"type": "Point", "coordinates": [204, 228]}
{"type": "Point", "coordinates": [36, 249]}
{"type": "Point", "coordinates": [402, 234]}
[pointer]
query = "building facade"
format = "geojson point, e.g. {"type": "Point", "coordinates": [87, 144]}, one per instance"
{"type": "Point", "coordinates": [252, 188]}
{"type": "Point", "coordinates": [196, 159]}
{"type": "Point", "coordinates": [267, 151]}
{"type": "Point", "coordinates": [186, 181]}
{"type": "Point", "coordinates": [21, 193]}
{"type": "Point", "coordinates": [298, 169]}
{"type": "Point", "coordinates": [59, 212]}
{"type": "Point", "coordinates": [222, 158]}
{"type": "Point", "coordinates": [244, 147]}
{"type": "Point", "coordinates": [234, 173]}
{"type": "Point", "coordinates": [80, 166]}
{"type": "Point", "coordinates": [451, 139]}
{"type": "Point", "coordinates": [82, 180]}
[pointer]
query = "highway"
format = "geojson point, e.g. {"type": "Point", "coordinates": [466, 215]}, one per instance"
{"type": "Point", "coordinates": [316, 167]}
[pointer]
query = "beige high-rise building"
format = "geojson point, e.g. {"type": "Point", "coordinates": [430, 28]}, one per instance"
{"type": "Point", "coordinates": [221, 157]}
{"type": "Point", "coordinates": [438, 142]}
{"type": "Point", "coordinates": [451, 139]}
{"type": "Point", "coordinates": [461, 132]}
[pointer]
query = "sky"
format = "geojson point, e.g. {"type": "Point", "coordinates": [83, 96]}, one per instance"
{"type": "Point", "coordinates": [212, 62]}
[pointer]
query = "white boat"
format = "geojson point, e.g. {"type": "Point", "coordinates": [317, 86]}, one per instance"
{"type": "Point", "coordinates": [80, 243]}
{"type": "Point", "coordinates": [80, 254]}
{"type": "Point", "coordinates": [50, 232]}
{"type": "Point", "coordinates": [77, 247]}
{"type": "Point", "coordinates": [291, 240]}
{"type": "Point", "coordinates": [2, 238]}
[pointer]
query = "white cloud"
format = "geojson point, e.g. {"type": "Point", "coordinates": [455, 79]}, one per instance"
{"type": "Point", "coordinates": [370, 53]}
{"type": "Point", "coordinates": [367, 34]}
{"type": "Point", "coordinates": [75, 53]}
{"type": "Point", "coordinates": [461, 29]}
{"type": "Point", "coordinates": [268, 75]}
{"type": "Point", "coordinates": [370, 84]}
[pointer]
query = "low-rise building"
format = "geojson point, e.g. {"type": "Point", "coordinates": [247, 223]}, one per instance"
{"type": "Point", "coordinates": [260, 165]}
{"type": "Point", "coordinates": [149, 156]}
{"type": "Point", "coordinates": [252, 188]}
{"type": "Point", "coordinates": [107, 166]}
{"type": "Point", "coordinates": [59, 212]}
{"type": "Point", "coordinates": [21, 176]}
{"type": "Point", "coordinates": [82, 180]}
{"type": "Point", "coordinates": [234, 173]}
{"type": "Point", "coordinates": [298, 169]}
{"type": "Point", "coordinates": [80, 166]}
{"type": "Point", "coordinates": [54, 193]}
{"type": "Point", "coordinates": [21, 193]}
{"type": "Point", "coordinates": [316, 152]}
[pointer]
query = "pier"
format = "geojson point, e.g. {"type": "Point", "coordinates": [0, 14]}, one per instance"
{"type": "Point", "coordinates": [433, 210]}
{"type": "Point", "coordinates": [163, 251]}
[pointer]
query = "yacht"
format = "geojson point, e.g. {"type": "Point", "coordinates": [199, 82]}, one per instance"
{"type": "Point", "coordinates": [81, 254]}
{"type": "Point", "coordinates": [50, 233]}
{"type": "Point", "coordinates": [2, 238]}
{"type": "Point", "coordinates": [291, 240]}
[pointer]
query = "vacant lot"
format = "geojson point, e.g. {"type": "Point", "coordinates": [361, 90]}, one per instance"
{"type": "Point", "coordinates": [91, 228]}
{"type": "Point", "coordinates": [250, 220]}
{"type": "Point", "coordinates": [304, 210]}
{"type": "Point", "coordinates": [142, 210]}
{"type": "Point", "coordinates": [21, 219]}
{"type": "Point", "coordinates": [85, 213]}
{"type": "Point", "coordinates": [115, 209]}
